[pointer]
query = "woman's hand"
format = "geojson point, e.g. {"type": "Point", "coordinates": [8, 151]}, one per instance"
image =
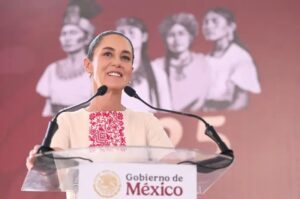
{"type": "Point", "coordinates": [31, 157]}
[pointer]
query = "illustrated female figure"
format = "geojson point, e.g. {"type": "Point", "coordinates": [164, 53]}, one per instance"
{"type": "Point", "coordinates": [183, 76]}
{"type": "Point", "coordinates": [143, 80]}
{"type": "Point", "coordinates": [65, 82]}
{"type": "Point", "coordinates": [234, 72]}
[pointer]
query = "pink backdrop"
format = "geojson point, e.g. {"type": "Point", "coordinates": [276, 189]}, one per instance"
{"type": "Point", "coordinates": [264, 136]}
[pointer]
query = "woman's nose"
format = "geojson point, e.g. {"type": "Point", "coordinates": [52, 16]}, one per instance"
{"type": "Point", "coordinates": [209, 24]}
{"type": "Point", "coordinates": [116, 62]}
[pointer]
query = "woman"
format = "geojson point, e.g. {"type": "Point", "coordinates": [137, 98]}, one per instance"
{"type": "Point", "coordinates": [60, 82]}
{"type": "Point", "coordinates": [183, 76]}
{"type": "Point", "coordinates": [143, 80]}
{"type": "Point", "coordinates": [106, 122]}
{"type": "Point", "coordinates": [234, 72]}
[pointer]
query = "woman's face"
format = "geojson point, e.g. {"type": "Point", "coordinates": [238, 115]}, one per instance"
{"type": "Point", "coordinates": [72, 38]}
{"type": "Point", "coordinates": [178, 39]}
{"type": "Point", "coordinates": [136, 36]}
{"type": "Point", "coordinates": [216, 27]}
{"type": "Point", "coordinates": [112, 62]}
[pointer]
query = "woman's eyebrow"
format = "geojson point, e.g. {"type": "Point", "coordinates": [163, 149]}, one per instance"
{"type": "Point", "coordinates": [112, 49]}
{"type": "Point", "coordinates": [126, 52]}
{"type": "Point", "coordinates": [109, 48]}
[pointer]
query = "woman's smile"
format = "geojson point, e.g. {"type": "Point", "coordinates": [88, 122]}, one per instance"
{"type": "Point", "coordinates": [115, 74]}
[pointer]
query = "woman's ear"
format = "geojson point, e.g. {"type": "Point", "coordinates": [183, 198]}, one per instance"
{"type": "Point", "coordinates": [88, 66]}
{"type": "Point", "coordinates": [232, 26]}
{"type": "Point", "coordinates": [232, 29]}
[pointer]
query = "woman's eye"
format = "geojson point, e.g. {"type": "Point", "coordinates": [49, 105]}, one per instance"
{"type": "Point", "coordinates": [127, 58]}
{"type": "Point", "coordinates": [107, 54]}
{"type": "Point", "coordinates": [181, 33]}
{"type": "Point", "coordinates": [215, 21]}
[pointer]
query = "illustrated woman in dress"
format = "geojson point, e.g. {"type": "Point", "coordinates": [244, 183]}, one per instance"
{"type": "Point", "coordinates": [64, 82]}
{"type": "Point", "coordinates": [183, 75]}
{"type": "Point", "coordinates": [143, 80]}
{"type": "Point", "coordinates": [233, 69]}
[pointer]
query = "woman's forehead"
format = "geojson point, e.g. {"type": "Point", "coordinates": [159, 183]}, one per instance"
{"type": "Point", "coordinates": [178, 26]}
{"type": "Point", "coordinates": [213, 14]}
{"type": "Point", "coordinates": [128, 27]}
{"type": "Point", "coordinates": [116, 42]}
{"type": "Point", "coordinates": [71, 27]}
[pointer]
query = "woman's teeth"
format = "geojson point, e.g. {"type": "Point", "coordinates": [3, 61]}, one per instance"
{"type": "Point", "coordinates": [115, 74]}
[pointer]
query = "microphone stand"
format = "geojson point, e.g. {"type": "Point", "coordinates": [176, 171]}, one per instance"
{"type": "Point", "coordinates": [203, 166]}
{"type": "Point", "coordinates": [53, 126]}
{"type": "Point", "coordinates": [45, 162]}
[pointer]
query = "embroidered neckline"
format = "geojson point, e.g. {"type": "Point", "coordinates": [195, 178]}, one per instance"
{"type": "Point", "coordinates": [106, 128]}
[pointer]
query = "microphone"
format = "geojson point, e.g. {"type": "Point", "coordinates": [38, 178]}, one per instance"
{"type": "Point", "coordinates": [203, 166]}
{"type": "Point", "coordinates": [52, 125]}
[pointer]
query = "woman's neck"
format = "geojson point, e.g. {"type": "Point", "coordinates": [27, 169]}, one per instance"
{"type": "Point", "coordinates": [72, 66]}
{"type": "Point", "coordinates": [111, 101]}
{"type": "Point", "coordinates": [221, 46]}
{"type": "Point", "coordinates": [77, 56]}
{"type": "Point", "coordinates": [181, 59]}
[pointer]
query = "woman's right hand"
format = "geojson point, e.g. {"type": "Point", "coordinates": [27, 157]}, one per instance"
{"type": "Point", "coordinates": [31, 157]}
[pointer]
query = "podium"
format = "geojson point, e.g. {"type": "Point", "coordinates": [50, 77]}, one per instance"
{"type": "Point", "coordinates": [66, 170]}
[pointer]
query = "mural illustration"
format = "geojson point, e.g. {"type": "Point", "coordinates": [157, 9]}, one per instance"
{"type": "Point", "coordinates": [64, 82]}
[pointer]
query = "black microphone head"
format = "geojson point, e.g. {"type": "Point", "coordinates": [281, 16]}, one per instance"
{"type": "Point", "coordinates": [101, 90]}
{"type": "Point", "coordinates": [130, 91]}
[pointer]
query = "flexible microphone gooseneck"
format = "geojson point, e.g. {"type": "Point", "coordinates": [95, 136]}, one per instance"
{"type": "Point", "coordinates": [52, 125]}
{"type": "Point", "coordinates": [204, 165]}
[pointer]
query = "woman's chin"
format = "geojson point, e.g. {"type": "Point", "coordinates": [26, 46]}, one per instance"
{"type": "Point", "coordinates": [115, 87]}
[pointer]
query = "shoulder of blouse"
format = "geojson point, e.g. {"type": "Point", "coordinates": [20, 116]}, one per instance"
{"type": "Point", "coordinates": [238, 52]}
{"type": "Point", "coordinates": [73, 114]}
{"type": "Point", "coordinates": [140, 114]}
{"type": "Point", "coordinates": [158, 61]}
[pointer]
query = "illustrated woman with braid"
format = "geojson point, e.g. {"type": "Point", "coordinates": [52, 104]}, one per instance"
{"type": "Point", "coordinates": [143, 80]}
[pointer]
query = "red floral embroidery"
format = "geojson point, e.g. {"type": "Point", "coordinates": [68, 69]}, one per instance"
{"type": "Point", "coordinates": [107, 129]}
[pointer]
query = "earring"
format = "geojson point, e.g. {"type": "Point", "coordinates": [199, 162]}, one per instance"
{"type": "Point", "coordinates": [91, 75]}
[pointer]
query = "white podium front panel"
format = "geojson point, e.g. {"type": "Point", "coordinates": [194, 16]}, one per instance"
{"type": "Point", "coordinates": [58, 170]}
{"type": "Point", "coordinates": [129, 180]}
